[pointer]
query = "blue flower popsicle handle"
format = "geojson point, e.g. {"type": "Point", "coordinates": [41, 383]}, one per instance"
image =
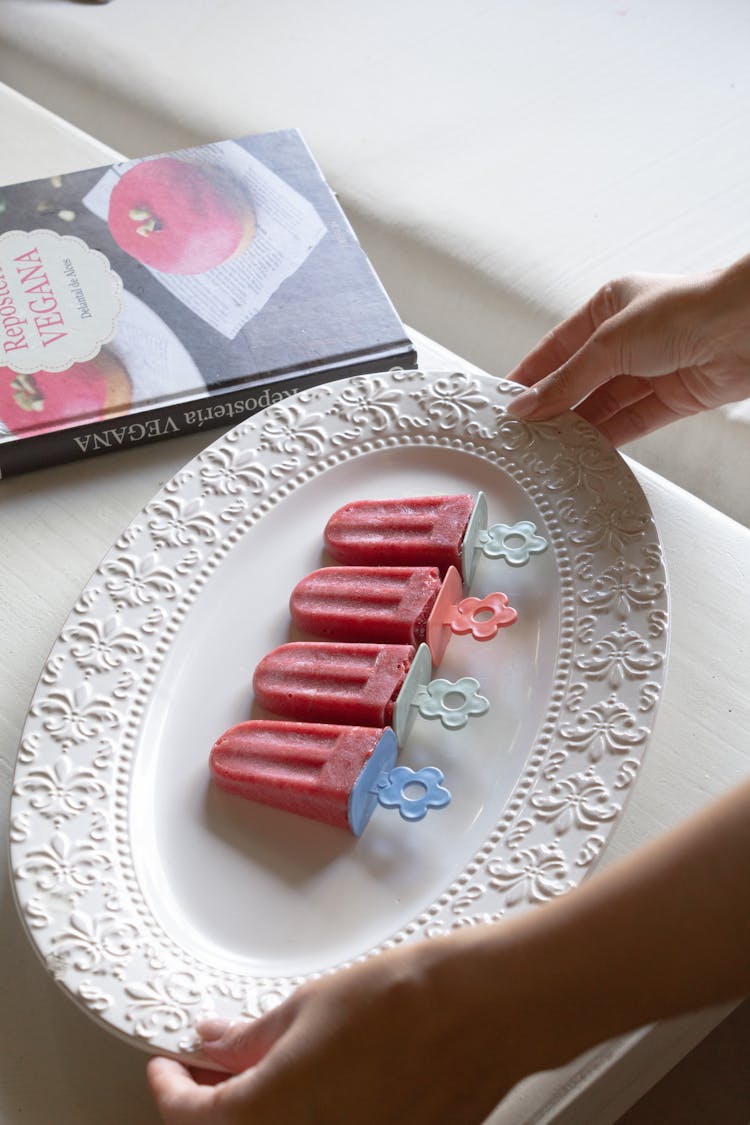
{"type": "Point", "coordinates": [382, 782]}
{"type": "Point", "coordinates": [413, 792]}
{"type": "Point", "coordinates": [515, 543]}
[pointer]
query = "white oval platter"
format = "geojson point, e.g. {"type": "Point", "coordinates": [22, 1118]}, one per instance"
{"type": "Point", "coordinates": [154, 899]}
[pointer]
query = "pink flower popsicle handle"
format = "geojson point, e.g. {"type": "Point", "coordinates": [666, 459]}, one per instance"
{"type": "Point", "coordinates": [453, 615]}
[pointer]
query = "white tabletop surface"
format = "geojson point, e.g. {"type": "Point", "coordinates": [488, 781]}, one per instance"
{"type": "Point", "coordinates": [56, 524]}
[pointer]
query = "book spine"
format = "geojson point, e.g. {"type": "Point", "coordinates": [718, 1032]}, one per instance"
{"type": "Point", "coordinates": [227, 408]}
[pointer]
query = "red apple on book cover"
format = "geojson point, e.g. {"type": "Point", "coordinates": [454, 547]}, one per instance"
{"type": "Point", "coordinates": [179, 217]}
{"type": "Point", "coordinates": [47, 400]}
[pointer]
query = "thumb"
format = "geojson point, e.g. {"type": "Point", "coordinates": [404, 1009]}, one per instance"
{"type": "Point", "coordinates": [237, 1046]}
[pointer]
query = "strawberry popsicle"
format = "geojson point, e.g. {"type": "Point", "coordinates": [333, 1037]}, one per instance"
{"type": "Point", "coordinates": [441, 531]}
{"type": "Point", "coordinates": [366, 603]}
{"type": "Point", "coordinates": [323, 682]}
{"type": "Point", "coordinates": [371, 685]}
{"type": "Point", "coordinates": [414, 531]}
{"type": "Point", "coordinates": [395, 605]}
{"type": "Point", "coordinates": [324, 772]}
{"type": "Point", "coordinates": [336, 774]}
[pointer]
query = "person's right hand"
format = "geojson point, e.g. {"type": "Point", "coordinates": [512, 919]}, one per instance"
{"type": "Point", "coordinates": [644, 351]}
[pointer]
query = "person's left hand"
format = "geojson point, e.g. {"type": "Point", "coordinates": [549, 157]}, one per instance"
{"type": "Point", "coordinates": [436, 1032]}
{"type": "Point", "coordinates": [373, 1043]}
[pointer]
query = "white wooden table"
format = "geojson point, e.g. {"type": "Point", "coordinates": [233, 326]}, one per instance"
{"type": "Point", "coordinates": [56, 1065]}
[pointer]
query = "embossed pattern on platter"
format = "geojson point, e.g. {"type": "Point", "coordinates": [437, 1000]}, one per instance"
{"type": "Point", "coordinates": [74, 877]}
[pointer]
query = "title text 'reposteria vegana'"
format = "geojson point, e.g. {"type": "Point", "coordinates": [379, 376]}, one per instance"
{"type": "Point", "coordinates": [59, 301]}
{"type": "Point", "coordinates": [42, 311]}
{"type": "Point", "coordinates": [131, 433]}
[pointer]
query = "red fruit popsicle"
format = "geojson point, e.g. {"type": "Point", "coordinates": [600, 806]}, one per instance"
{"type": "Point", "coordinates": [418, 531]}
{"type": "Point", "coordinates": [366, 603]}
{"type": "Point", "coordinates": [355, 684]}
{"type": "Point", "coordinates": [362, 685]}
{"type": "Point", "coordinates": [316, 770]}
{"type": "Point", "coordinates": [395, 605]}
{"type": "Point", "coordinates": [441, 531]}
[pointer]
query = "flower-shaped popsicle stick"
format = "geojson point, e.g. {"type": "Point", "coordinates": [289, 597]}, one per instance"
{"type": "Point", "coordinates": [452, 702]}
{"type": "Point", "coordinates": [453, 615]}
{"type": "Point", "coordinates": [514, 543]}
{"type": "Point", "coordinates": [413, 792]}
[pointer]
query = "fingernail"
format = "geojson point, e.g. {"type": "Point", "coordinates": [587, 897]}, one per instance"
{"type": "Point", "coordinates": [524, 404]}
{"type": "Point", "coordinates": [212, 1030]}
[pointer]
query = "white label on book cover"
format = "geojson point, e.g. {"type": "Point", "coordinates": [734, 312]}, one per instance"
{"type": "Point", "coordinates": [59, 301]}
{"type": "Point", "coordinates": [282, 228]}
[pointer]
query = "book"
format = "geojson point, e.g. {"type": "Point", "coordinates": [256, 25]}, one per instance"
{"type": "Point", "coordinates": [176, 293]}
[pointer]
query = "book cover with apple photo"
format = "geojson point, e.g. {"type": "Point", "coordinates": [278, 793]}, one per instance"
{"type": "Point", "coordinates": [134, 291]}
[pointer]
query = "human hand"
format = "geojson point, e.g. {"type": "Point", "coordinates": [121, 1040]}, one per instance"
{"type": "Point", "coordinates": [436, 1032]}
{"type": "Point", "coordinates": [386, 1040]}
{"type": "Point", "coordinates": [644, 351]}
